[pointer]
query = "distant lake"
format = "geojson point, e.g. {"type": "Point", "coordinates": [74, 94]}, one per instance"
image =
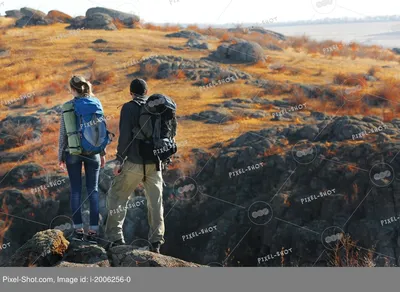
{"type": "Point", "coordinates": [386, 34]}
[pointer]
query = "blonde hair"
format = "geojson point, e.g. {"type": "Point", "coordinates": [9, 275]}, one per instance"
{"type": "Point", "coordinates": [81, 85]}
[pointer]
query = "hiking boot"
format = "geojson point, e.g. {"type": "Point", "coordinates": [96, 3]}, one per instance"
{"type": "Point", "coordinates": [78, 235]}
{"type": "Point", "coordinates": [155, 247]}
{"type": "Point", "coordinates": [115, 243]}
{"type": "Point", "coordinates": [92, 237]}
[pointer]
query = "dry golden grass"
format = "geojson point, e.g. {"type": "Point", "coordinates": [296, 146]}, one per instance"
{"type": "Point", "coordinates": [350, 255]}
{"type": "Point", "coordinates": [347, 79]}
{"type": "Point", "coordinates": [44, 67]}
{"type": "Point", "coordinates": [389, 92]}
{"type": "Point", "coordinates": [232, 92]}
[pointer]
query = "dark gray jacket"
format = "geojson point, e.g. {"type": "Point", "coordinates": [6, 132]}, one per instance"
{"type": "Point", "coordinates": [128, 146]}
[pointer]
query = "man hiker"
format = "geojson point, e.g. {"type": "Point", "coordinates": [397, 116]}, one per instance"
{"type": "Point", "coordinates": [131, 169]}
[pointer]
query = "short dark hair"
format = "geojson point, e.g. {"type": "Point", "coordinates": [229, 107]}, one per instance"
{"type": "Point", "coordinates": [138, 86]}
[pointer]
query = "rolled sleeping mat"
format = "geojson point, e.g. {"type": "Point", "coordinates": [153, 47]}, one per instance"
{"type": "Point", "coordinates": [74, 141]}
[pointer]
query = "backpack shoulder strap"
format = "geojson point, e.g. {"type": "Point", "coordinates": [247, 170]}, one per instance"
{"type": "Point", "coordinates": [140, 102]}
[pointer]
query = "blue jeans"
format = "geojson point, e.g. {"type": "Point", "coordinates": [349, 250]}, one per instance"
{"type": "Point", "coordinates": [92, 172]}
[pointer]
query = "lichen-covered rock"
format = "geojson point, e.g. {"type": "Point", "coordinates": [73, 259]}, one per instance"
{"type": "Point", "coordinates": [58, 16]}
{"type": "Point", "coordinates": [44, 249]}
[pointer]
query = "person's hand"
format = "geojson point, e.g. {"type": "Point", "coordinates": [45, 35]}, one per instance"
{"type": "Point", "coordinates": [62, 165]}
{"type": "Point", "coordinates": [117, 168]}
{"type": "Point", "coordinates": [102, 161]}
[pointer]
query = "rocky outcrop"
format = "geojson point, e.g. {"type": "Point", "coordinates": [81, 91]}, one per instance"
{"type": "Point", "coordinates": [396, 51]}
{"type": "Point", "coordinates": [44, 249]}
{"type": "Point", "coordinates": [28, 17]}
{"type": "Point", "coordinates": [168, 66]}
{"type": "Point", "coordinates": [32, 17]}
{"type": "Point", "coordinates": [252, 167]}
{"type": "Point", "coordinates": [187, 34]}
{"type": "Point", "coordinates": [104, 18]}
{"type": "Point", "coordinates": [50, 248]}
{"type": "Point", "coordinates": [126, 18]}
{"type": "Point", "coordinates": [241, 52]}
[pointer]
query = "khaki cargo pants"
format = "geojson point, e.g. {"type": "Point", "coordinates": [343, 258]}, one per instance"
{"type": "Point", "coordinates": [122, 187]}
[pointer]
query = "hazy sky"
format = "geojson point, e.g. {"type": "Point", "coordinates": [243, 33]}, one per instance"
{"type": "Point", "coordinates": [219, 11]}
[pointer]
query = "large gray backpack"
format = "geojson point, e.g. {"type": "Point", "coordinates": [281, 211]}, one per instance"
{"type": "Point", "coordinates": [156, 128]}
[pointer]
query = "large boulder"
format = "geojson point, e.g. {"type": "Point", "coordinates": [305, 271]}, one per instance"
{"type": "Point", "coordinates": [100, 21]}
{"type": "Point", "coordinates": [104, 18]}
{"type": "Point", "coordinates": [32, 17]}
{"type": "Point", "coordinates": [127, 18]}
{"type": "Point", "coordinates": [241, 52]}
{"type": "Point", "coordinates": [44, 249]}
{"type": "Point", "coordinates": [32, 12]}
{"type": "Point", "coordinates": [14, 14]}
{"type": "Point", "coordinates": [58, 16]}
